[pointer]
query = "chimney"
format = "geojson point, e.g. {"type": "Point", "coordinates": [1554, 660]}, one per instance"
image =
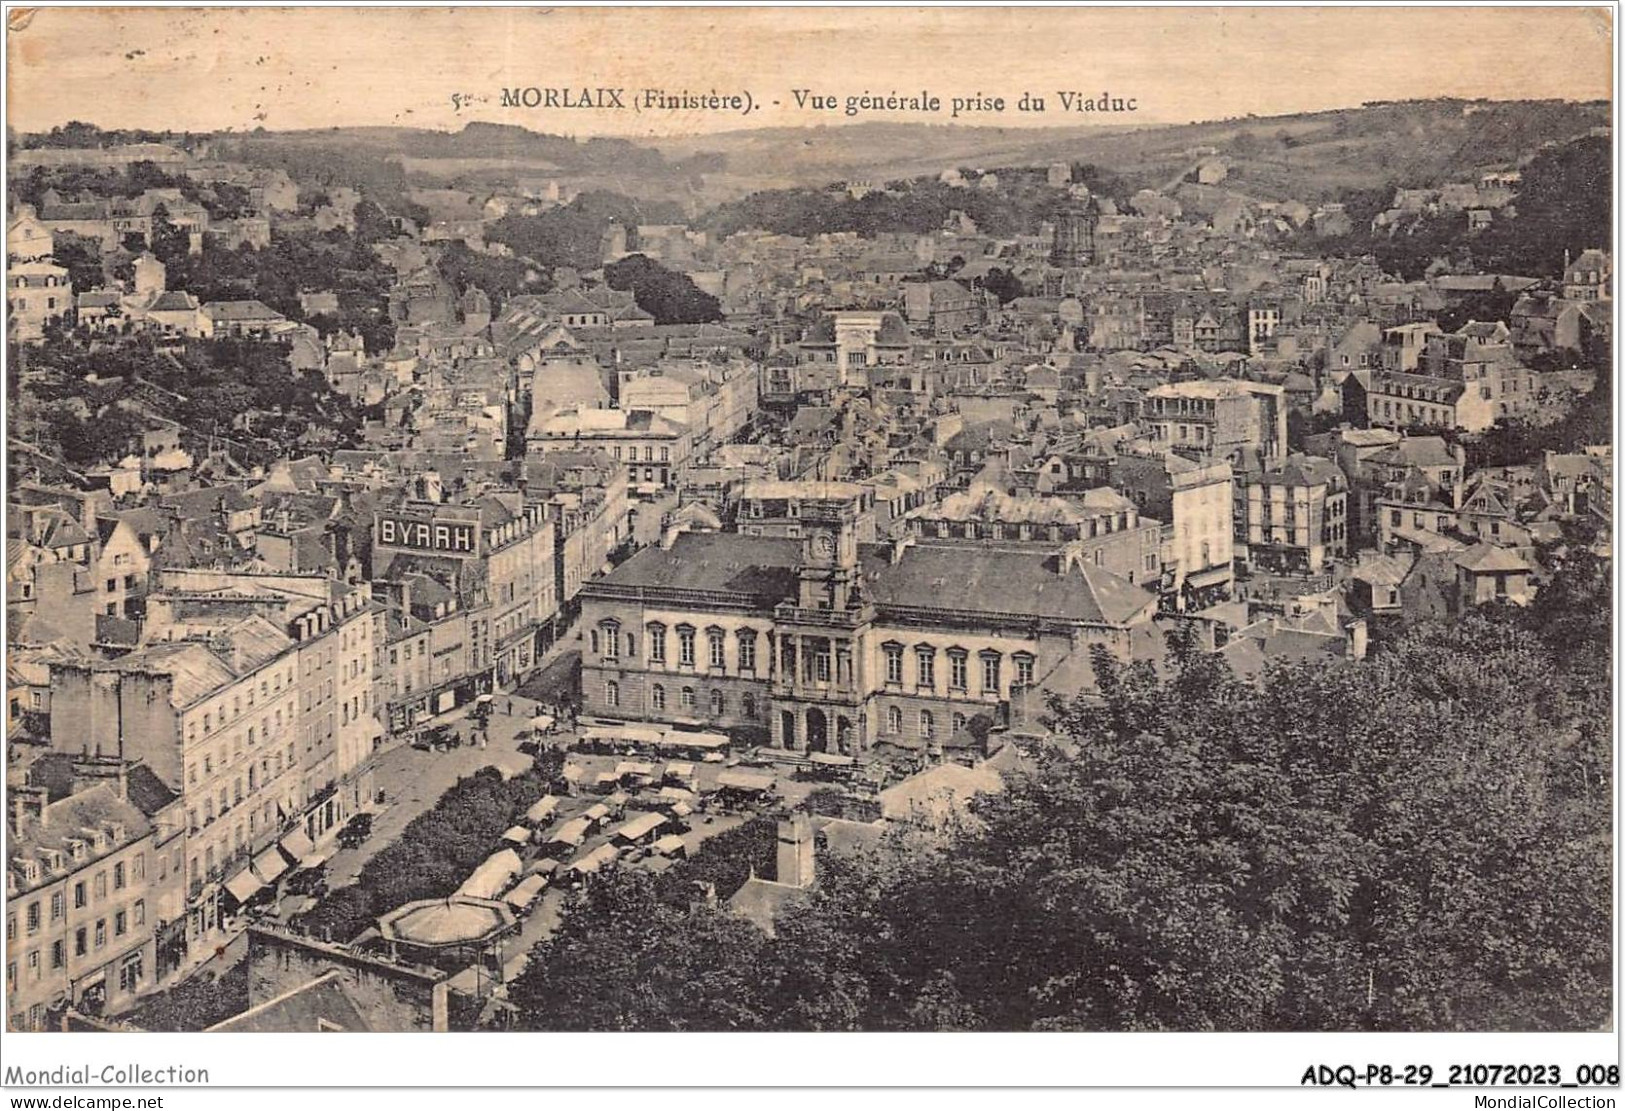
{"type": "Point", "coordinates": [91, 771]}
{"type": "Point", "coordinates": [26, 804]}
{"type": "Point", "coordinates": [1358, 639]}
{"type": "Point", "coordinates": [796, 853]}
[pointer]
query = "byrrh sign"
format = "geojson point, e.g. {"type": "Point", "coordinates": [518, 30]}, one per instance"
{"type": "Point", "coordinates": [455, 537]}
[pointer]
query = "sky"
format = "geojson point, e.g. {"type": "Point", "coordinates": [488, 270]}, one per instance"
{"type": "Point", "coordinates": [218, 68]}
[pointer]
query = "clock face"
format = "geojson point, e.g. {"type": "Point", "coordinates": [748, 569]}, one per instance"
{"type": "Point", "coordinates": [824, 544]}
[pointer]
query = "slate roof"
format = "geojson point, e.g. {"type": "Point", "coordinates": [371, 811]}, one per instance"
{"type": "Point", "coordinates": [321, 1004]}
{"type": "Point", "coordinates": [1030, 584]}
{"type": "Point", "coordinates": [1488, 557]}
{"type": "Point", "coordinates": [757, 565]}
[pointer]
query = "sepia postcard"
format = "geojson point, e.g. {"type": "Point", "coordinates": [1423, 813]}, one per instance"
{"type": "Point", "coordinates": [1092, 521]}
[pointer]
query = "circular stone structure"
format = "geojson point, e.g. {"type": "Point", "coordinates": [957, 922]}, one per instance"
{"type": "Point", "coordinates": [453, 923]}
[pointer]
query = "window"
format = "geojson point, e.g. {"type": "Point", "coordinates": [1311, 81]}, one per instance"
{"type": "Point", "coordinates": [118, 876]}
{"type": "Point", "coordinates": [714, 643]}
{"type": "Point", "coordinates": [688, 698]}
{"type": "Point", "coordinates": [80, 942]}
{"type": "Point", "coordinates": [959, 723]}
{"type": "Point", "coordinates": [101, 885]}
{"type": "Point", "coordinates": [59, 955]}
{"type": "Point", "coordinates": [747, 650]}
{"type": "Point", "coordinates": [1024, 670]}
{"type": "Point", "coordinates": [894, 664]}
{"type": "Point", "coordinates": [928, 724]}
{"type": "Point", "coordinates": [818, 662]}
{"type": "Point", "coordinates": [129, 974]}
{"type": "Point", "coordinates": [612, 693]}
{"type": "Point", "coordinates": [717, 703]}
{"type": "Point", "coordinates": [592, 640]}
{"type": "Point", "coordinates": [657, 697]}
{"type": "Point", "coordinates": [79, 895]}
{"type": "Point", "coordinates": [990, 673]}
{"type": "Point", "coordinates": [957, 679]}
{"type": "Point", "coordinates": [685, 646]}
{"type": "Point", "coordinates": [121, 924]}
{"type": "Point", "coordinates": [894, 719]}
{"type": "Point", "coordinates": [747, 706]}
{"type": "Point", "coordinates": [59, 906]}
{"type": "Point", "coordinates": [33, 965]}
{"type": "Point", "coordinates": [631, 646]}
{"type": "Point", "coordinates": [925, 666]}
{"type": "Point", "coordinates": [612, 641]}
{"type": "Point", "coordinates": [140, 910]}
{"type": "Point", "coordinates": [33, 917]}
{"type": "Point", "coordinates": [101, 932]}
{"type": "Point", "coordinates": [657, 644]}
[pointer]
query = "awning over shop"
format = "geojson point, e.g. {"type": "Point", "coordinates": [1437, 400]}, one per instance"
{"type": "Point", "coordinates": [298, 845]}
{"type": "Point", "coordinates": [517, 834]}
{"type": "Point", "coordinates": [745, 781]}
{"type": "Point", "coordinates": [243, 885]}
{"type": "Point", "coordinates": [831, 759]}
{"type": "Point", "coordinates": [1210, 577]}
{"type": "Point", "coordinates": [270, 864]}
{"type": "Point", "coordinates": [318, 858]}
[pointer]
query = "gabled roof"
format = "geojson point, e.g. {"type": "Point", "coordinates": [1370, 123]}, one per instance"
{"type": "Point", "coordinates": [1486, 557]}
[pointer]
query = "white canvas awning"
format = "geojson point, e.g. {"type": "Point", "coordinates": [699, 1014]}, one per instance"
{"type": "Point", "coordinates": [270, 864]}
{"type": "Point", "coordinates": [243, 885]}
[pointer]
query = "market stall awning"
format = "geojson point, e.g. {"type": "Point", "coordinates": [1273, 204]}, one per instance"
{"type": "Point", "coordinates": [525, 892]}
{"type": "Point", "coordinates": [746, 781]}
{"type": "Point", "coordinates": [640, 827]}
{"type": "Point", "coordinates": [542, 810]}
{"type": "Point", "coordinates": [517, 834]}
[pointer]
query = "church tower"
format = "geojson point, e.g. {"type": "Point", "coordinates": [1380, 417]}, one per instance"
{"type": "Point", "coordinates": [1074, 242]}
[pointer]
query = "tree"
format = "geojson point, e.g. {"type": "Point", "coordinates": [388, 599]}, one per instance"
{"type": "Point", "coordinates": [625, 959]}
{"type": "Point", "coordinates": [672, 298]}
{"type": "Point", "coordinates": [1419, 840]}
{"type": "Point", "coordinates": [82, 257]}
{"type": "Point", "coordinates": [1003, 285]}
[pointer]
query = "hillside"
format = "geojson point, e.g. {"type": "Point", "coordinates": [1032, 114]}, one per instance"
{"type": "Point", "coordinates": [1311, 157]}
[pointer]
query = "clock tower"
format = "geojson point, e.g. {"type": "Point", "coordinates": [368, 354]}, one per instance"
{"type": "Point", "coordinates": [829, 555]}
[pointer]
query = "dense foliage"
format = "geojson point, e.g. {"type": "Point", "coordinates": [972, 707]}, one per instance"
{"type": "Point", "coordinates": [210, 387]}
{"type": "Point", "coordinates": [573, 235]}
{"type": "Point", "coordinates": [434, 853]}
{"type": "Point", "coordinates": [1020, 204]}
{"type": "Point", "coordinates": [672, 298]}
{"type": "Point", "coordinates": [1564, 203]}
{"type": "Point", "coordinates": [1416, 841]}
